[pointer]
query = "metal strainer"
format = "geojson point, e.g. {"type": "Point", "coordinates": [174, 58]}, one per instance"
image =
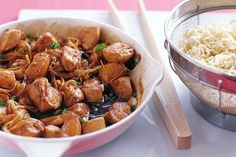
{"type": "Point", "coordinates": [215, 89]}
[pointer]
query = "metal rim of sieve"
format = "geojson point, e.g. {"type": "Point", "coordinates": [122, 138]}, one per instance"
{"type": "Point", "coordinates": [183, 12]}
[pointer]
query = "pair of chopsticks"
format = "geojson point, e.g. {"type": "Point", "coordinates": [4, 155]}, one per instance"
{"type": "Point", "coordinates": [165, 96]}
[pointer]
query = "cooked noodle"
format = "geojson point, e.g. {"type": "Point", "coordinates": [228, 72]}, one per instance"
{"type": "Point", "coordinates": [214, 45]}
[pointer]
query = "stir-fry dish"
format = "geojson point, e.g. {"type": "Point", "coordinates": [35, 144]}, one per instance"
{"type": "Point", "coordinates": [59, 87]}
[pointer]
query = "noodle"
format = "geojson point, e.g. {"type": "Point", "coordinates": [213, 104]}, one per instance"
{"type": "Point", "coordinates": [214, 45]}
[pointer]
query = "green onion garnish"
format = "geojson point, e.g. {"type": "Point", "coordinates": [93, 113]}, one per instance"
{"type": "Point", "coordinates": [81, 120]}
{"type": "Point", "coordinates": [64, 110]}
{"type": "Point", "coordinates": [2, 55]}
{"type": "Point", "coordinates": [2, 103]}
{"type": "Point", "coordinates": [78, 83]}
{"type": "Point", "coordinates": [55, 45]}
{"type": "Point", "coordinates": [30, 37]}
{"type": "Point", "coordinates": [100, 47]}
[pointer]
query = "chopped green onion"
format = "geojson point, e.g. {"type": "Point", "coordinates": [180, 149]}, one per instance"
{"type": "Point", "coordinates": [132, 108]}
{"type": "Point", "coordinates": [2, 55]}
{"type": "Point", "coordinates": [55, 45]}
{"type": "Point", "coordinates": [30, 37]}
{"type": "Point", "coordinates": [64, 110]}
{"type": "Point", "coordinates": [2, 103]}
{"type": "Point", "coordinates": [100, 47]}
{"type": "Point", "coordinates": [78, 83]}
{"type": "Point", "coordinates": [81, 120]}
{"type": "Point", "coordinates": [25, 49]}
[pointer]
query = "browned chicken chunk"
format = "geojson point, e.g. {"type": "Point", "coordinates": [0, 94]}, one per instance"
{"type": "Point", "coordinates": [117, 112]}
{"type": "Point", "coordinates": [111, 71]}
{"type": "Point", "coordinates": [122, 87]}
{"type": "Point", "coordinates": [71, 126]}
{"type": "Point", "coordinates": [7, 79]}
{"type": "Point", "coordinates": [27, 127]}
{"type": "Point", "coordinates": [71, 93]}
{"type": "Point", "coordinates": [45, 41]}
{"type": "Point", "coordinates": [39, 66]}
{"type": "Point", "coordinates": [93, 90]}
{"type": "Point", "coordinates": [52, 131]}
{"type": "Point", "coordinates": [81, 109]}
{"type": "Point", "coordinates": [117, 53]}
{"type": "Point", "coordinates": [89, 37]}
{"type": "Point", "coordinates": [44, 96]}
{"type": "Point", "coordinates": [93, 125]}
{"type": "Point", "coordinates": [10, 39]}
{"type": "Point", "coordinates": [70, 58]}
{"type": "Point", "coordinates": [54, 120]}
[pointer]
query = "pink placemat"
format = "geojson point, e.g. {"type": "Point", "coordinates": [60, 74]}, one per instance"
{"type": "Point", "coordinates": [9, 9]}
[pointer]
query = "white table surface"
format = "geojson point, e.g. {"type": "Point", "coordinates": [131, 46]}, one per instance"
{"type": "Point", "coordinates": [148, 137]}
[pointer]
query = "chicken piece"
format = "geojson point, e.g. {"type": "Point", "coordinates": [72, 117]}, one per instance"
{"type": "Point", "coordinates": [19, 67]}
{"type": "Point", "coordinates": [122, 87]}
{"type": "Point", "coordinates": [45, 41]}
{"type": "Point", "coordinates": [93, 90]}
{"type": "Point", "coordinates": [111, 71]}
{"type": "Point", "coordinates": [117, 53]}
{"type": "Point", "coordinates": [39, 66]}
{"type": "Point", "coordinates": [44, 96]}
{"type": "Point", "coordinates": [71, 126]}
{"type": "Point", "coordinates": [52, 131]}
{"type": "Point", "coordinates": [54, 120]}
{"type": "Point", "coordinates": [7, 79]}
{"type": "Point", "coordinates": [27, 127]}
{"type": "Point", "coordinates": [81, 109]}
{"type": "Point", "coordinates": [70, 58]}
{"type": "Point", "coordinates": [89, 37]}
{"type": "Point", "coordinates": [3, 114]}
{"type": "Point", "coordinates": [117, 112]}
{"type": "Point", "coordinates": [71, 93]}
{"type": "Point", "coordinates": [93, 125]}
{"type": "Point", "coordinates": [10, 39]}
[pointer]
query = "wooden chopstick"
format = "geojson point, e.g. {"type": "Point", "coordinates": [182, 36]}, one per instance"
{"type": "Point", "coordinates": [165, 96]}
{"type": "Point", "coordinates": [114, 15]}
